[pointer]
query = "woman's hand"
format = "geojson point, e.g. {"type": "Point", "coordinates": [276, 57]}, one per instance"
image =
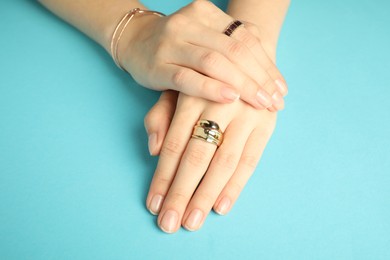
{"type": "Point", "coordinates": [193, 176]}
{"type": "Point", "coordinates": [188, 52]}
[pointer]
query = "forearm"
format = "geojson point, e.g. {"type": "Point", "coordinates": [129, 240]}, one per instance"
{"type": "Point", "coordinates": [96, 18]}
{"type": "Point", "coordinates": [268, 15]}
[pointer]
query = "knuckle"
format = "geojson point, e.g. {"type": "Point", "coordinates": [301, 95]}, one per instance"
{"type": "Point", "coordinates": [206, 198]}
{"type": "Point", "coordinates": [162, 182]}
{"type": "Point", "coordinates": [154, 114]}
{"type": "Point", "coordinates": [188, 103]}
{"type": "Point", "coordinates": [235, 188]}
{"type": "Point", "coordinates": [159, 115]}
{"type": "Point", "coordinates": [180, 77]}
{"type": "Point", "coordinates": [202, 5]}
{"type": "Point", "coordinates": [196, 157]}
{"type": "Point", "coordinates": [171, 146]}
{"type": "Point", "coordinates": [226, 160]}
{"type": "Point", "coordinates": [237, 49]}
{"type": "Point", "coordinates": [249, 161]}
{"type": "Point", "coordinates": [205, 86]}
{"type": "Point", "coordinates": [149, 118]}
{"type": "Point", "coordinates": [207, 11]}
{"type": "Point", "coordinates": [209, 59]}
{"type": "Point", "coordinates": [177, 198]}
{"type": "Point", "coordinates": [249, 40]}
{"type": "Point", "coordinates": [175, 23]}
{"type": "Point", "coordinates": [253, 29]}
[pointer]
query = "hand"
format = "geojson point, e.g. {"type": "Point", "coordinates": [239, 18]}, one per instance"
{"type": "Point", "coordinates": [188, 52]}
{"type": "Point", "coordinates": [193, 176]}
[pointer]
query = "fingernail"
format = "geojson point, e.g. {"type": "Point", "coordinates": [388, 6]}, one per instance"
{"type": "Point", "coordinates": [263, 98]}
{"type": "Point", "coordinates": [272, 109]}
{"type": "Point", "coordinates": [277, 98]}
{"type": "Point", "coordinates": [155, 204]}
{"type": "Point", "coordinates": [169, 221]}
{"type": "Point", "coordinates": [194, 220]}
{"type": "Point", "coordinates": [281, 86]}
{"type": "Point", "coordinates": [229, 94]}
{"type": "Point", "coordinates": [152, 142]}
{"type": "Point", "coordinates": [223, 206]}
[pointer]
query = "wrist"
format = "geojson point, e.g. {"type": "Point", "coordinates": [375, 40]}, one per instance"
{"type": "Point", "coordinates": [113, 16]}
{"type": "Point", "coordinates": [133, 35]}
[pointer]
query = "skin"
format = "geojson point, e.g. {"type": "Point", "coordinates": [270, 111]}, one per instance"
{"type": "Point", "coordinates": [185, 51]}
{"type": "Point", "coordinates": [184, 161]}
{"type": "Point", "coordinates": [193, 176]}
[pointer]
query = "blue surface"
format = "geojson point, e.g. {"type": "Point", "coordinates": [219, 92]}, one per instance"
{"type": "Point", "coordinates": [74, 166]}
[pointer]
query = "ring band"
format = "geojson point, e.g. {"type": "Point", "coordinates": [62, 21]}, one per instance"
{"type": "Point", "coordinates": [232, 27]}
{"type": "Point", "coordinates": [208, 131]}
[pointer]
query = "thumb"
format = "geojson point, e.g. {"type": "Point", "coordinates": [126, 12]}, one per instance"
{"type": "Point", "coordinates": [158, 119]}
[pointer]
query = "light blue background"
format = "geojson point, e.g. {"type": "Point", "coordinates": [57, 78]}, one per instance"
{"type": "Point", "coordinates": [74, 166]}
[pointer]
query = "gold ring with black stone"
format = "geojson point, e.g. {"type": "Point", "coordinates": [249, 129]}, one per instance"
{"type": "Point", "coordinates": [208, 131]}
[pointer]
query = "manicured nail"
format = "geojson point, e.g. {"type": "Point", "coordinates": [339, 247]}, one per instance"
{"type": "Point", "coordinates": [169, 221]}
{"type": "Point", "coordinates": [152, 143]}
{"type": "Point", "coordinates": [155, 204]}
{"type": "Point", "coordinates": [223, 206]}
{"type": "Point", "coordinates": [229, 94]}
{"type": "Point", "coordinates": [263, 98]}
{"type": "Point", "coordinates": [194, 220]}
{"type": "Point", "coordinates": [272, 109]}
{"type": "Point", "coordinates": [281, 86]}
{"type": "Point", "coordinates": [277, 98]}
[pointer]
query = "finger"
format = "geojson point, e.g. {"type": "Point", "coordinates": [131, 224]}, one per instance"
{"type": "Point", "coordinates": [158, 119]}
{"type": "Point", "coordinates": [275, 76]}
{"type": "Point", "coordinates": [218, 174]}
{"type": "Point", "coordinates": [171, 152]}
{"type": "Point", "coordinates": [278, 102]}
{"type": "Point", "coordinates": [215, 65]}
{"type": "Point", "coordinates": [261, 34]}
{"type": "Point", "coordinates": [193, 83]}
{"type": "Point", "coordinates": [193, 165]}
{"type": "Point", "coordinates": [218, 20]}
{"type": "Point", "coordinates": [271, 109]}
{"type": "Point", "coordinates": [248, 35]}
{"type": "Point", "coordinates": [252, 152]}
{"type": "Point", "coordinates": [240, 55]}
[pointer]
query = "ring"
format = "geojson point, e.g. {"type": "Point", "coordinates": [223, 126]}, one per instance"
{"type": "Point", "coordinates": [232, 27]}
{"type": "Point", "coordinates": [208, 131]}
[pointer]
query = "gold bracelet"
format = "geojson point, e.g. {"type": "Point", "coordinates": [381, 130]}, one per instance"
{"type": "Point", "coordinates": [120, 28]}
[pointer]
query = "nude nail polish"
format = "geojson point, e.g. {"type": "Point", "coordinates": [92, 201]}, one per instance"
{"type": "Point", "coordinates": [152, 142]}
{"type": "Point", "coordinates": [277, 98]}
{"type": "Point", "coordinates": [263, 98]}
{"type": "Point", "coordinates": [223, 206]}
{"type": "Point", "coordinates": [281, 87]}
{"type": "Point", "coordinates": [229, 94]}
{"type": "Point", "coordinates": [194, 219]}
{"type": "Point", "coordinates": [155, 204]}
{"type": "Point", "coordinates": [169, 221]}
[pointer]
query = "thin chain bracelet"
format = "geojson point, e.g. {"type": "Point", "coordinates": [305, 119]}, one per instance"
{"type": "Point", "coordinates": [120, 28]}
